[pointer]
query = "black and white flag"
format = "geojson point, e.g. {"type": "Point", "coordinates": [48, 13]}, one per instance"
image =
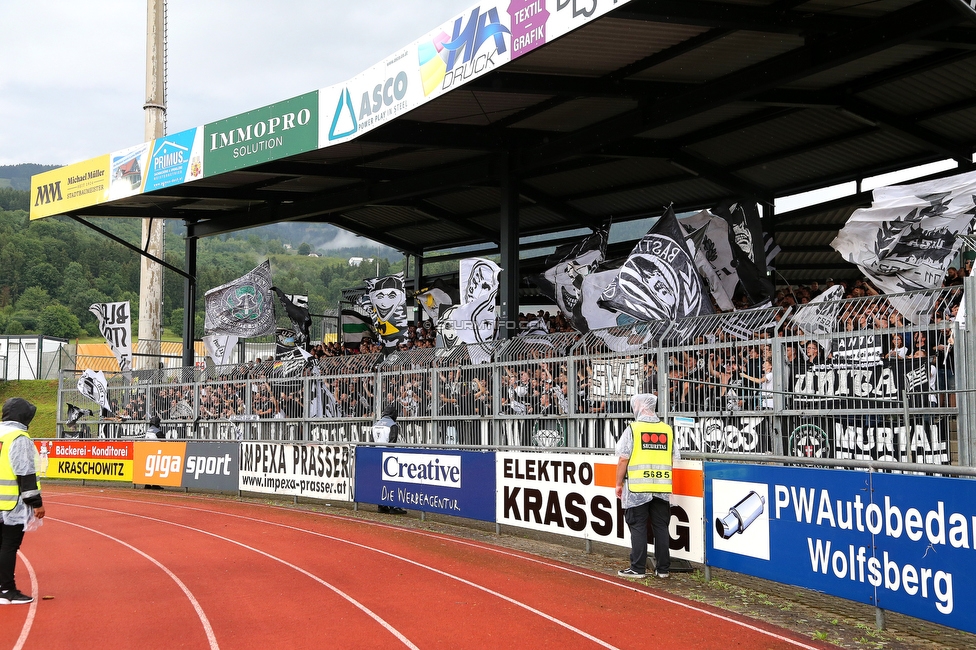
{"type": "Point", "coordinates": [820, 315]}
{"type": "Point", "coordinates": [115, 324]}
{"type": "Point", "coordinates": [220, 347]}
{"type": "Point", "coordinates": [713, 256]}
{"type": "Point", "coordinates": [475, 318]}
{"type": "Point", "coordinates": [93, 385]}
{"type": "Point", "coordinates": [298, 314]}
{"type": "Point", "coordinates": [388, 307]}
{"type": "Point", "coordinates": [433, 299]}
{"type": "Point", "coordinates": [75, 413]}
{"type": "Point", "coordinates": [748, 249]}
{"type": "Point", "coordinates": [659, 281]}
{"type": "Point", "coordinates": [908, 237]}
{"type": "Point", "coordinates": [566, 268]}
{"type": "Point", "coordinates": [244, 306]}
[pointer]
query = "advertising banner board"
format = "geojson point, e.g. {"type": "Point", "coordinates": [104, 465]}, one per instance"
{"type": "Point", "coordinates": [85, 459]}
{"type": "Point", "coordinates": [458, 483]}
{"type": "Point", "coordinates": [573, 495]}
{"type": "Point", "coordinates": [899, 542]}
{"type": "Point", "coordinates": [200, 465]}
{"type": "Point", "coordinates": [67, 188]}
{"type": "Point", "coordinates": [304, 470]}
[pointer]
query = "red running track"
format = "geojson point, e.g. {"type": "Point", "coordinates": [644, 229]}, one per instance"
{"type": "Point", "coordinates": [134, 569]}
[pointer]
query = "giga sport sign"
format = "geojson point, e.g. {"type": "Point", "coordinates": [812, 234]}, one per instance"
{"type": "Point", "coordinates": [211, 466]}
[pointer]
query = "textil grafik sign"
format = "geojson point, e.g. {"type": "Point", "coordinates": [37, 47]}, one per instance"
{"type": "Point", "coordinates": [269, 133]}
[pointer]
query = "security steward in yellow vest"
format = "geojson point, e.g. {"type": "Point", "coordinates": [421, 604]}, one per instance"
{"type": "Point", "coordinates": [20, 493]}
{"type": "Point", "coordinates": [645, 454]}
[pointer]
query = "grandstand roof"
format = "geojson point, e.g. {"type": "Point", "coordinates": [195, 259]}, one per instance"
{"type": "Point", "coordinates": [658, 101]}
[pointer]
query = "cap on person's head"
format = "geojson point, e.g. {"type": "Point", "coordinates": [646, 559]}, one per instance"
{"type": "Point", "coordinates": [644, 406]}
{"type": "Point", "coordinates": [17, 409]}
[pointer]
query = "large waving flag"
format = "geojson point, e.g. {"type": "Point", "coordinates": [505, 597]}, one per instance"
{"type": "Point", "coordinates": [388, 301]}
{"type": "Point", "coordinates": [659, 280]}
{"type": "Point", "coordinates": [567, 266]}
{"type": "Point", "coordinates": [115, 324]}
{"type": "Point", "coordinates": [475, 318]}
{"type": "Point", "coordinates": [713, 256]}
{"type": "Point", "coordinates": [242, 307]}
{"type": "Point", "coordinates": [908, 237]}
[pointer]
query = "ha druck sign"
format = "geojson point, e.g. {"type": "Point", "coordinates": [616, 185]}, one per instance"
{"type": "Point", "coordinates": [902, 543]}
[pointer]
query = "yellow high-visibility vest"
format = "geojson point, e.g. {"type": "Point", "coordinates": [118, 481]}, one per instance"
{"type": "Point", "coordinates": [649, 468]}
{"type": "Point", "coordinates": [9, 490]}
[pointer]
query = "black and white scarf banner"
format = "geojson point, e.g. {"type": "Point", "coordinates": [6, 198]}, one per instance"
{"type": "Point", "coordinates": [244, 306]}
{"type": "Point", "coordinates": [93, 385]}
{"type": "Point", "coordinates": [909, 236]}
{"type": "Point", "coordinates": [713, 256]}
{"type": "Point", "coordinates": [659, 280]}
{"type": "Point", "coordinates": [566, 268]}
{"type": "Point", "coordinates": [220, 347]}
{"type": "Point", "coordinates": [115, 324]}
{"type": "Point", "coordinates": [388, 305]}
{"type": "Point", "coordinates": [819, 316]}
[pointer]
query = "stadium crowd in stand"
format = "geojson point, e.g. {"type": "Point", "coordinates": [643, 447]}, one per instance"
{"type": "Point", "coordinates": [719, 373]}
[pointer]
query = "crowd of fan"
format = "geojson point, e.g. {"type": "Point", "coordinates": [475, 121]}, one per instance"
{"type": "Point", "coordinates": [718, 373]}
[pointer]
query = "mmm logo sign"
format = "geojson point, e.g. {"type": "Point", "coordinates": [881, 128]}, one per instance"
{"type": "Point", "coordinates": [48, 194]}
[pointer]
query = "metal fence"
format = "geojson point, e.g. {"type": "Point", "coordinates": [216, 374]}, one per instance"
{"type": "Point", "coordinates": [870, 378]}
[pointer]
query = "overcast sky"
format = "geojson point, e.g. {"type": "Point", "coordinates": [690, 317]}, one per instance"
{"type": "Point", "coordinates": [72, 74]}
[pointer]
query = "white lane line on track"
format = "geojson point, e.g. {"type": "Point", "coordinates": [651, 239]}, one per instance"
{"type": "Point", "coordinates": [193, 601]}
{"type": "Point", "coordinates": [501, 596]}
{"type": "Point", "coordinates": [338, 591]}
{"type": "Point", "coordinates": [493, 549]}
{"type": "Point", "coordinates": [22, 639]}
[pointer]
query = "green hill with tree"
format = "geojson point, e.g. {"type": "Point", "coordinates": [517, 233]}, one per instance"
{"type": "Point", "coordinates": [52, 269]}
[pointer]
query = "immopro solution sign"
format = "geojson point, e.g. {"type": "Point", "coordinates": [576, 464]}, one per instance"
{"type": "Point", "coordinates": [276, 131]}
{"type": "Point", "coordinates": [902, 543]}
{"type": "Point", "coordinates": [459, 483]}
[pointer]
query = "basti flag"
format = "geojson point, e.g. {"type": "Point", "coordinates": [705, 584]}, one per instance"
{"type": "Point", "coordinates": [659, 280]}
{"type": "Point", "coordinates": [242, 307]}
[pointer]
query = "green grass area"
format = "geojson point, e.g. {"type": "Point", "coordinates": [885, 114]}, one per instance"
{"type": "Point", "coordinates": [44, 395]}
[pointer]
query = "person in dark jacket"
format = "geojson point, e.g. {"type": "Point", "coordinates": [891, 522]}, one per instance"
{"type": "Point", "coordinates": [20, 494]}
{"type": "Point", "coordinates": [386, 431]}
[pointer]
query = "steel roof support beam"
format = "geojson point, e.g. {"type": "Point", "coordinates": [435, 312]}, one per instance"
{"type": "Point", "coordinates": [508, 220]}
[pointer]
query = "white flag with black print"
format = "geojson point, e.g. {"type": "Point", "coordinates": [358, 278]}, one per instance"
{"type": "Point", "coordinates": [908, 237]}
{"type": "Point", "coordinates": [115, 324]}
{"type": "Point", "coordinates": [474, 319]}
{"type": "Point", "coordinates": [220, 347]}
{"type": "Point", "coordinates": [567, 266]}
{"type": "Point", "coordinates": [819, 316]}
{"type": "Point", "coordinates": [242, 307]}
{"type": "Point", "coordinates": [93, 385]}
{"type": "Point", "coordinates": [713, 256]}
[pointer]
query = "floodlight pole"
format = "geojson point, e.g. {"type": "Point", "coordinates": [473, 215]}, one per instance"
{"type": "Point", "coordinates": [151, 277]}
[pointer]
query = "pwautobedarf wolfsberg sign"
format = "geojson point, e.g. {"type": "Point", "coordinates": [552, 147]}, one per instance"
{"type": "Point", "coordinates": [276, 131]}
{"type": "Point", "coordinates": [902, 543]}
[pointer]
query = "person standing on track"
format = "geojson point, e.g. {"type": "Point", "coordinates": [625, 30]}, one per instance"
{"type": "Point", "coordinates": [20, 493]}
{"type": "Point", "coordinates": [386, 431]}
{"type": "Point", "coordinates": [645, 455]}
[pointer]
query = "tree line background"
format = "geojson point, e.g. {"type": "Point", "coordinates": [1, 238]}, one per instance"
{"type": "Point", "coordinates": [53, 269]}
